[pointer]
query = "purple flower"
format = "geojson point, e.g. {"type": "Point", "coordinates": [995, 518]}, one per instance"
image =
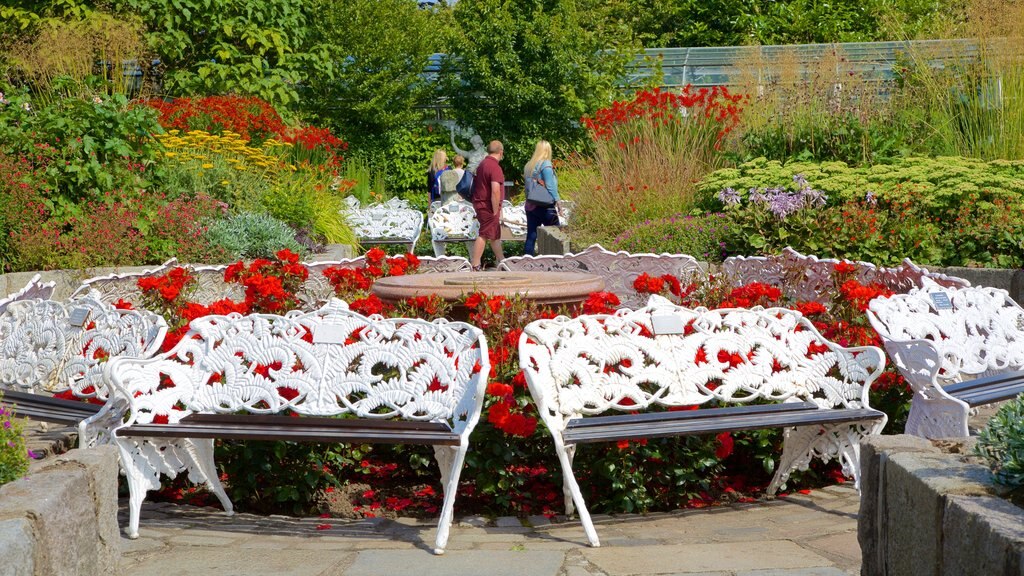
{"type": "Point", "coordinates": [32, 455]}
{"type": "Point", "coordinates": [7, 424]}
{"type": "Point", "coordinates": [870, 198]}
{"type": "Point", "coordinates": [729, 197]}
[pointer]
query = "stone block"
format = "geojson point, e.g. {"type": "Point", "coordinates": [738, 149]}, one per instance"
{"type": "Point", "coordinates": [552, 240]}
{"type": "Point", "coordinates": [871, 526]}
{"type": "Point", "coordinates": [915, 488]}
{"type": "Point", "coordinates": [17, 545]}
{"type": "Point", "coordinates": [101, 466]}
{"type": "Point", "coordinates": [59, 506]}
{"type": "Point", "coordinates": [982, 535]}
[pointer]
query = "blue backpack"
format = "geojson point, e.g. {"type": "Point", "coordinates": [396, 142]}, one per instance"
{"type": "Point", "coordinates": [465, 186]}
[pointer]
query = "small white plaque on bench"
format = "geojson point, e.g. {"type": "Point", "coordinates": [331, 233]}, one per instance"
{"type": "Point", "coordinates": [665, 324]}
{"type": "Point", "coordinates": [329, 334]}
{"type": "Point", "coordinates": [941, 301]}
{"type": "Point", "coordinates": [78, 317]}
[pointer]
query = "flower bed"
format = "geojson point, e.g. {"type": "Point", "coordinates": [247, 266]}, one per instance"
{"type": "Point", "coordinates": [511, 467]}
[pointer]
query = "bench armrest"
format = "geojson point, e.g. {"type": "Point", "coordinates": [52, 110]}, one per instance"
{"type": "Point", "coordinates": [861, 364]}
{"type": "Point", "coordinates": [919, 362]}
{"type": "Point", "coordinates": [138, 381]}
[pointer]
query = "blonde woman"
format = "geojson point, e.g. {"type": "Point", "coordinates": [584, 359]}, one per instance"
{"type": "Point", "coordinates": [437, 165]}
{"type": "Point", "coordinates": [541, 192]}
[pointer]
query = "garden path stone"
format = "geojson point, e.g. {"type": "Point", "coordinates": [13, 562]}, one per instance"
{"type": "Point", "coordinates": [810, 536]}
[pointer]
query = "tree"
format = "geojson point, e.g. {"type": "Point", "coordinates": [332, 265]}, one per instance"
{"type": "Point", "coordinates": [522, 70]}
{"type": "Point", "coordinates": [379, 50]}
{"type": "Point", "coordinates": [251, 47]}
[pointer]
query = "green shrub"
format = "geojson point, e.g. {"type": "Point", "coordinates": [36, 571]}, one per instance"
{"type": "Point", "coordinates": [943, 183]}
{"type": "Point", "coordinates": [14, 456]}
{"type": "Point", "coordinates": [938, 211]}
{"type": "Point", "coordinates": [699, 236]}
{"type": "Point", "coordinates": [250, 235]}
{"type": "Point", "coordinates": [1001, 443]}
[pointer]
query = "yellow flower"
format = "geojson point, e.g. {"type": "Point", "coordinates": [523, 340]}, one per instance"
{"type": "Point", "coordinates": [170, 154]}
{"type": "Point", "coordinates": [207, 165]}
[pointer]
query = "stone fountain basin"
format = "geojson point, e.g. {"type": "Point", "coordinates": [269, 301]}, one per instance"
{"type": "Point", "coordinates": [547, 288]}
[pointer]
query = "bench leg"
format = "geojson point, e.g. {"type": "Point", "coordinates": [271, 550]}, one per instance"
{"type": "Point", "coordinates": [450, 460]}
{"type": "Point", "coordinates": [439, 249]}
{"type": "Point", "coordinates": [569, 481]}
{"type": "Point", "coordinates": [142, 463]}
{"type": "Point", "coordinates": [202, 454]}
{"type": "Point", "coordinates": [940, 417]}
{"type": "Point", "coordinates": [570, 452]}
{"type": "Point", "coordinates": [805, 443]}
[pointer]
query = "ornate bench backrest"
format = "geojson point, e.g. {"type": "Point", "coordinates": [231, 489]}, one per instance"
{"type": "Point", "coordinates": [393, 221]}
{"type": "Point", "coordinates": [619, 269]}
{"type": "Point", "coordinates": [113, 287]}
{"type": "Point", "coordinates": [454, 221]}
{"type": "Point", "coordinates": [808, 278]}
{"type": "Point", "coordinates": [33, 290]}
{"type": "Point", "coordinates": [592, 364]}
{"type": "Point", "coordinates": [323, 363]}
{"type": "Point", "coordinates": [49, 346]}
{"type": "Point", "coordinates": [974, 330]}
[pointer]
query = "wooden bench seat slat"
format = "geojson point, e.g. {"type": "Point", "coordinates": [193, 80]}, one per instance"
{"type": "Point", "coordinates": [24, 399]}
{"type": "Point", "coordinates": [981, 396]}
{"type": "Point", "coordinates": [1011, 378]}
{"type": "Point", "coordinates": [722, 423]}
{"type": "Point", "coordinates": [48, 414]}
{"type": "Point", "coordinates": [307, 421]}
{"type": "Point", "coordinates": [291, 433]}
{"type": "Point", "coordinates": [649, 417]}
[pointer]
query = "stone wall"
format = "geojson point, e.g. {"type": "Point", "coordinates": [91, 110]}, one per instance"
{"type": "Point", "coordinates": [61, 519]}
{"type": "Point", "coordinates": [931, 511]}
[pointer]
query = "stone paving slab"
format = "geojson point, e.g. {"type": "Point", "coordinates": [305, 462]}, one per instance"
{"type": "Point", "coordinates": [689, 558]}
{"type": "Point", "coordinates": [230, 561]}
{"type": "Point", "coordinates": [490, 562]}
{"type": "Point", "coordinates": [808, 536]}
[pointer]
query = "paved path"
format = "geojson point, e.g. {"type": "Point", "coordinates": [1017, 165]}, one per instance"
{"type": "Point", "coordinates": [812, 535]}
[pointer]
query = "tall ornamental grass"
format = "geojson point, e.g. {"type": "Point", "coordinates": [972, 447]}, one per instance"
{"type": "Point", "coordinates": [649, 153]}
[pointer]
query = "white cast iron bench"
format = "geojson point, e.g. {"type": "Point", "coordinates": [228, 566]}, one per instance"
{"type": "Point", "coordinates": [810, 279]}
{"type": "Point", "coordinates": [391, 222]}
{"type": "Point", "coordinates": [619, 269]}
{"type": "Point", "coordinates": [48, 347]}
{"type": "Point", "coordinates": [452, 222]}
{"type": "Point", "coordinates": [404, 381]}
{"type": "Point", "coordinates": [775, 371]}
{"type": "Point", "coordinates": [957, 347]}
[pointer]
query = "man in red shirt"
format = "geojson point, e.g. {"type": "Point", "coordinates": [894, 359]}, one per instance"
{"type": "Point", "coordinates": [488, 194]}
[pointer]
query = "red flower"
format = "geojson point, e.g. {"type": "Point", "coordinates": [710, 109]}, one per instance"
{"type": "Point", "coordinates": [368, 306]}
{"type": "Point", "coordinates": [646, 284]}
{"type": "Point", "coordinates": [375, 256]}
{"type": "Point", "coordinates": [725, 445]}
{"type": "Point", "coordinates": [811, 308]}
{"type": "Point", "coordinates": [845, 268]}
{"type": "Point", "coordinates": [600, 303]}
{"type": "Point", "coordinates": [121, 304]}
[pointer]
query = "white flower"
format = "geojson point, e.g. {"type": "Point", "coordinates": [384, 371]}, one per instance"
{"type": "Point", "coordinates": [27, 107]}
{"type": "Point", "coordinates": [96, 100]}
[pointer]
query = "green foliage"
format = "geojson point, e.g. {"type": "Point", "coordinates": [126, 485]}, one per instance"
{"type": "Point", "coordinates": [248, 235]}
{"type": "Point", "coordinates": [404, 162]}
{"type": "Point", "coordinates": [824, 137]}
{"type": "Point", "coordinates": [379, 49]}
{"type": "Point", "coordinates": [14, 455]}
{"type": "Point", "coordinates": [942, 184]}
{"type": "Point", "coordinates": [523, 71]}
{"type": "Point", "coordinates": [283, 476]}
{"type": "Point", "coordinates": [1001, 443]}
{"type": "Point", "coordinates": [86, 148]}
{"type": "Point", "coordinates": [257, 47]}
{"type": "Point", "coordinates": [663, 23]}
{"type": "Point", "coordinates": [699, 236]}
